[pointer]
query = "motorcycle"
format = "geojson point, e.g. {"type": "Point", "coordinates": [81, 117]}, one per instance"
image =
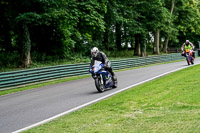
{"type": "Point", "coordinates": [189, 56]}
{"type": "Point", "coordinates": [103, 79]}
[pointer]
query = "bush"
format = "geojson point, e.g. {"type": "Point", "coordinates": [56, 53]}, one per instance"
{"type": "Point", "coordinates": [124, 53]}
{"type": "Point", "coordinates": [9, 59]}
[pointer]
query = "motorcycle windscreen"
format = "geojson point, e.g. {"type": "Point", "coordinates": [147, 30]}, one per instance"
{"type": "Point", "coordinates": [97, 66]}
{"type": "Point", "coordinates": [97, 63]}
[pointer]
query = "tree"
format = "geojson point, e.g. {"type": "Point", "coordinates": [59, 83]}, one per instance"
{"type": "Point", "coordinates": [5, 37]}
{"type": "Point", "coordinates": [26, 16]}
{"type": "Point", "coordinates": [159, 17]}
{"type": "Point", "coordinates": [57, 29]}
{"type": "Point", "coordinates": [25, 42]}
{"type": "Point", "coordinates": [90, 26]}
{"type": "Point", "coordinates": [150, 16]}
{"type": "Point", "coordinates": [188, 20]}
{"type": "Point", "coordinates": [169, 25]}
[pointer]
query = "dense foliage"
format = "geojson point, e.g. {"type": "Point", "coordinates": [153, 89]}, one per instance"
{"type": "Point", "coordinates": [38, 30]}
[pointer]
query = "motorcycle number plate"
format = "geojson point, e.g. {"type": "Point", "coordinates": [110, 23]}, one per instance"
{"type": "Point", "coordinates": [187, 50]}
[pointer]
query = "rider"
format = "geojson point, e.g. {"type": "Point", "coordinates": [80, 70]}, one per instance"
{"type": "Point", "coordinates": [100, 56]}
{"type": "Point", "coordinates": [187, 45]}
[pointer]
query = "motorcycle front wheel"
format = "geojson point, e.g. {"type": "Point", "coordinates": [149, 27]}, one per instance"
{"type": "Point", "coordinates": [188, 60]}
{"type": "Point", "coordinates": [99, 85]}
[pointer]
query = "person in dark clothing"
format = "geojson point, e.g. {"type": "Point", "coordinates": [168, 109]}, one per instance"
{"type": "Point", "coordinates": [100, 56]}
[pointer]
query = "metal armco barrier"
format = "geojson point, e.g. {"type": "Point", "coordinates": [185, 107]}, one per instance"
{"type": "Point", "coordinates": [13, 79]}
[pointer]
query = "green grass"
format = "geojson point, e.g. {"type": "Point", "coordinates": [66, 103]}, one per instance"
{"type": "Point", "coordinates": [169, 104]}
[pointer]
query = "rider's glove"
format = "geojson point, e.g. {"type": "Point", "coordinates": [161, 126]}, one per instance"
{"type": "Point", "coordinates": [90, 69]}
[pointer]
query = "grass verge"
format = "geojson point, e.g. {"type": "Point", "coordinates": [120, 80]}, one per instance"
{"type": "Point", "coordinates": [168, 104]}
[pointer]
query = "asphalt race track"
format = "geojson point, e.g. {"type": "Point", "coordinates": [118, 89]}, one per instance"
{"type": "Point", "coordinates": [22, 109]}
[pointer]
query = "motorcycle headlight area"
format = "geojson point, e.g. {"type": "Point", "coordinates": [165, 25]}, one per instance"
{"type": "Point", "coordinates": [93, 69]}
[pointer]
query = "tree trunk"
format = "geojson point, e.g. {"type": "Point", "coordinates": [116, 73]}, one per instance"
{"type": "Point", "coordinates": [172, 6]}
{"type": "Point", "coordinates": [24, 40]}
{"type": "Point", "coordinates": [137, 50]}
{"type": "Point", "coordinates": [167, 38]}
{"type": "Point", "coordinates": [27, 60]}
{"type": "Point", "coordinates": [166, 44]}
{"type": "Point", "coordinates": [143, 46]}
{"type": "Point", "coordinates": [125, 37]}
{"type": "Point", "coordinates": [157, 42]}
{"type": "Point", "coordinates": [105, 39]}
{"type": "Point", "coordinates": [118, 36]}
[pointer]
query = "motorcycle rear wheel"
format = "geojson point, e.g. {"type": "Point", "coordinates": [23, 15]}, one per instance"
{"type": "Point", "coordinates": [100, 87]}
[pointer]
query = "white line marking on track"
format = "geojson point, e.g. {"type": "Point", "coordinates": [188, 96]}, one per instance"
{"type": "Point", "coordinates": [94, 101]}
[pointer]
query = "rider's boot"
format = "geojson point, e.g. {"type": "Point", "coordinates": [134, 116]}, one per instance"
{"type": "Point", "coordinates": [113, 76]}
{"type": "Point", "coordinates": [192, 62]}
{"type": "Point", "coordinates": [112, 73]}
